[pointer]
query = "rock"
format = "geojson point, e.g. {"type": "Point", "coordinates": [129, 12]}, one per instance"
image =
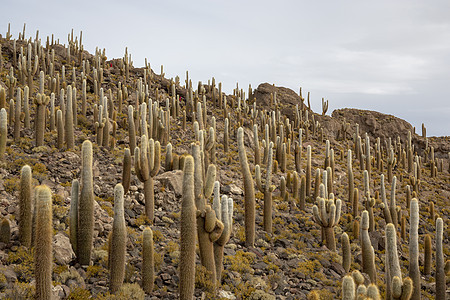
{"type": "Point", "coordinates": [226, 295]}
{"type": "Point", "coordinates": [233, 189]}
{"type": "Point", "coordinates": [62, 249]}
{"type": "Point", "coordinates": [172, 180]}
{"type": "Point", "coordinates": [58, 292]}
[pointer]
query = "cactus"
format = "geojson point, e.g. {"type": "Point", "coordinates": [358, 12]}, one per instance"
{"type": "Point", "coordinates": [18, 112]}
{"type": "Point", "coordinates": [256, 142]}
{"type": "Point", "coordinates": [303, 193]}
{"type": "Point", "coordinates": [69, 121]}
{"type": "Point", "coordinates": [396, 288]}
{"type": "Point", "coordinates": [131, 129]}
{"type": "Point", "coordinates": [440, 273]}
{"type": "Point", "coordinates": [348, 288]}
{"type": "Point", "coordinates": [73, 214]}
{"type": "Point", "coordinates": [60, 129]}
{"type": "Point", "coordinates": [308, 171]}
{"type": "Point", "coordinates": [169, 157]}
{"type": "Point", "coordinates": [3, 131]}
{"type": "Point", "coordinates": [118, 242]}
{"type": "Point", "coordinates": [126, 171]}
{"type": "Point", "coordinates": [267, 189]}
{"type": "Point", "coordinates": [148, 268]}
{"type": "Point", "coordinates": [249, 191]}
{"type": "Point", "coordinates": [368, 255]}
{"type": "Point", "coordinates": [327, 215]}
{"type": "Point", "coordinates": [5, 231]}
{"type": "Point", "coordinates": [414, 272]}
{"type": "Point", "coordinates": [427, 256]}
{"type": "Point", "coordinates": [86, 206]}
{"type": "Point", "coordinates": [351, 184]}
{"type": "Point", "coordinates": [147, 161]}
{"type": "Point", "coordinates": [187, 232]}
{"type": "Point", "coordinates": [41, 101]}
{"type": "Point", "coordinates": [224, 213]}
{"type": "Point", "coordinates": [25, 220]}
{"type": "Point", "coordinates": [346, 252]}
{"type": "Point", "coordinates": [43, 240]}
{"type": "Point", "coordinates": [392, 203]}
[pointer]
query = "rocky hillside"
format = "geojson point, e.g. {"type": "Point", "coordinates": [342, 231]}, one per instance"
{"type": "Point", "coordinates": [316, 219]}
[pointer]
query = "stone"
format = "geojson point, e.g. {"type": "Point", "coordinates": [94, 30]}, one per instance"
{"type": "Point", "coordinates": [172, 180]}
{"type": "Point", "coordinates": [62, 249]}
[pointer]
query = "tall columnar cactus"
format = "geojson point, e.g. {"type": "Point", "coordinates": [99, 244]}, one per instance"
{"type": "Point", "coordinates": [187, 232]}
{"type": "Point", "coordinates": [249, 191]}
{"type": "Point", "coordinates": [41, 101]}
{"type": "Point", "coordinates": [327, 215]}
{"type": "Point", "coordinates": [303, 193]}
{"type": "Point", "coordinates": [86, 206]}
{"type": "Point", "coordinates": [414, 272]}
{"type": "Point", "coordinates": [60, 129]}
{"type": "Point", "coordinates": [391, 162]}
{"type": "Point", "coordinates": [3, 131]}
{"type": "Point", "coordinates": [266, 188]}
{"type": "Point", "coordinates": [18, 113]}
{"type": "Point", "coordinates": [351, 184]}
{"type": "Point", "coordinates": [257, 147]}
{"type": "Point", "coordinates": [224, 213]}
{"type": "Point", "coordinates": [308, 171]}
{"type": "Point", "coordinates": [43, 238]}
{"type": "Point", "coordinates": [131, 129]}
{"type": "Point", "coordinates": [427, 256]}
{"type": "Point", "coordinates": [126, 170]}
{"type": "Point", "coordinates": [346, 252]}
{"type": "Point", "coordinates": [68, 135]}
{"type": "Point", "coordinates": [147, 160]}
{"type": "Point", "coordinates": [396, 288]}
{"type": "Point", "coordinates": [25, 219]}
{"type": "Point", "coordinates": [148, 265]}
{"type": "Point", "coordinates": [5, 231]}
{"type": "Point", "coordinates": [440, 273]}
{"type": "Point", "coordinates": [392, 203]}
{"type": "Point", "coordinates": [118, 242]}
{"type": "Point", "coordinates": [368, 254]}
{"type": "Point", "coordinates": [73, 214]}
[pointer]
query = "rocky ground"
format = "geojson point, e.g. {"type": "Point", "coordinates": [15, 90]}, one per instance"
{"type": "Point", "coordinates": [288, 264]}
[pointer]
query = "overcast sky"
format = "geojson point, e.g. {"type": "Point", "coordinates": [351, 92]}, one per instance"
{"type": "Point", "coordinates": [388, 56]}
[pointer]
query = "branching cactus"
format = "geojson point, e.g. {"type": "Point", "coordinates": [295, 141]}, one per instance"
{"type": "Point", "coordinates": [118, 242]}
{"type": "Point", "coordinates": [368, 254]}
{"type": "Point", "coordinates": [249, 191]}
{"type": "Point", "coordinates": [187, 232]}
{"type": "Point", "coordinates": [43, 238]}
{"type": "Point", "coordinates": [86, 206]}
{"type": "Point", "coordinates": [41, 101]}
{"type": "Point", "coordinates": [25, 220]}
{"type": "Point", "coordinates": [224, 213]}
{"type": "Point", "coordinates": [147, 161]}
{"type": "Point", "coordinates": [3, 131]}
{"type": "Point", "coordinates": [396, 288]}
{"type": "Point", "coordinates": [327, 215]}
{"type": "Point", "coordinates": [266, 188]}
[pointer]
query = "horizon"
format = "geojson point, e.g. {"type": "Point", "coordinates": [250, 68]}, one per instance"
{"type": "Point", "coordinates": [387, 57]}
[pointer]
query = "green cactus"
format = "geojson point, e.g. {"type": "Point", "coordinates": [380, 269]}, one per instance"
{"type": "Point", "coordinates": [25, 219]}
{"type": "Point", "coordinates": [266, 188]}
{"type": "Point", "coordinates": [118, 242]}
{"type": "Point", "coordinates": [126, 170]}
{"type": "Point", "coordinates": [86, 206]}
{"type": "Point", "coordinates": [327, 215]}
{"type": "Point", "coordinates": [73, 214]}
{"type": "Point", "coordinates": [346, 252]}
{"type": "Point", "coordinates": [147, 159]}
{"type": "Point", "coordinates": [187, 232]}
{"type": "Point", "coordinates": [368, 254]}
{"type": "Point", "coordinates": [41, 101]}
{"type": "Point", "coordinates": [148, 268]}
{"type": "Point", "coordinates": [414, 272]}
{"type": "Point", "coordinates": [43, 243]}
{"type": "Point", "coordinates": [249, 191]}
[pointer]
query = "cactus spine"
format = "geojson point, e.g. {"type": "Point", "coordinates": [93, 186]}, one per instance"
{"type": "Point", "coordinates": [147, 161]}
{"type": "Point", "coordinates": [249, 191]}
{"type": "Point", "coordinates": [86, 206]}
{"type": "Point", "coordinates": [43, 238]}
{"type": "Point", "coordinates": [187, 232]}
{"type": "Point", "coordinates": [25, 220]}
{"type": "Point", "coordinates": [148, 268]}
{"type": "Point", "coordinates": [118, 242]}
